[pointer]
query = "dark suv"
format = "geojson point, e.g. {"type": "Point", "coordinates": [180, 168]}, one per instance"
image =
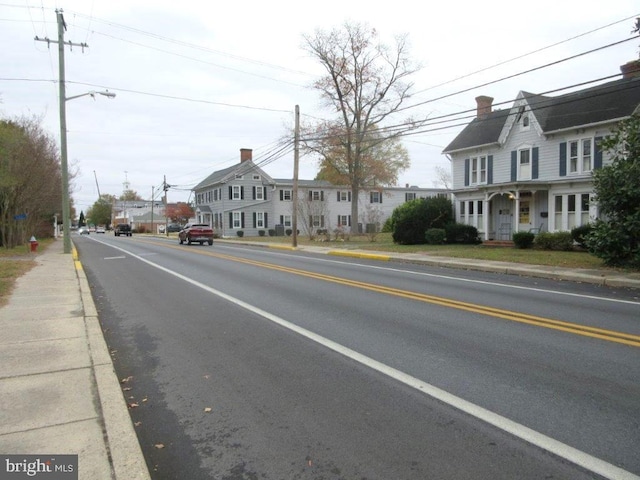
{"type": "Point", "coordinates": [122, 229]}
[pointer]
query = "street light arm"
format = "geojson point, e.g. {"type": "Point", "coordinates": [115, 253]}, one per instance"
{"type": "Point", "coordinates": [93, 94]}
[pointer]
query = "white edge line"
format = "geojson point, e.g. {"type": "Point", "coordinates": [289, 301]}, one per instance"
{"type": "Point", "coordinates": [573, 455]}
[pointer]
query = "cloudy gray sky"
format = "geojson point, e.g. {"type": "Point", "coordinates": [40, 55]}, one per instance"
{"type": "Point", "coordinates": [198, 80]}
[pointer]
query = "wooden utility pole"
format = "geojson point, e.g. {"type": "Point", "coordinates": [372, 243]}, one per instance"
{"type": "Point", "coordinates": [296, 161]}
{"type": "Point", "coordinates": [66, 211]}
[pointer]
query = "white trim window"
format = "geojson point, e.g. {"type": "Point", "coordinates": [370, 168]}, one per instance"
{"type": "Point", "coordinates": [375, 197]}
{"type": "Point", "coordinates": [286, 220]}
{"type": "Point", "coordinates": [259, 219]}
{"type": "Point", "coordinates": [580, 156]}
{"type": "Point", "coordinates": [478, 170]}
{"type": "Point", "coordinates": [259, 193]}
{"type": "Point", "coordinates": [236, 192]}
{"type": "Point", "coordinates": [524, 164]}
{"type": "Point", "coordinates": [236, 220]}
{"type": "Point", "coordinates": [286, 195]}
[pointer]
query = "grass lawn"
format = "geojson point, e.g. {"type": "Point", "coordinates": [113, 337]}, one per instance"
{"type": "Point", "coordinates": [384, 243]}
{"type": "Point", "coordinates": [15, 262]}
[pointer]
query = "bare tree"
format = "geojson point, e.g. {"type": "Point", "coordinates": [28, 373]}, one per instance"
{"type": "Point", "coordinates": [312, 213]}
{"type": "Point", "coordinates": [365, 84]}
{"type": "Point", "coordinates": [443, 178]}
{"type": "Point", "coordinates": [30, 180]}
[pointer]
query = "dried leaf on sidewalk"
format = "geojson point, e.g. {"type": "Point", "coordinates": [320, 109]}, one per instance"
{"type": "Point", "coordinates": [159, 445]}
{"type": "Point", "coordinates": [125, 380]}
{"type": "Point", "coordinates": [137, 424]}
{"type": "Point", "coordinates": [207, 410]}
{"type": "Point", "coordinates": [133, 405]}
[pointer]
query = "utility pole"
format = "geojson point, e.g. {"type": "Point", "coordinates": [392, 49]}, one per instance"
{"type": "Point", "coordinates": [66, 212]}
{"type": "Point", "coordinates": [152, 202]}
{"type": "Point", "coordinates": [97, 186]}
{"type": "Point", "coordinates": [165, 187]}
{"type": "Point", "coordinates": [296, 161]}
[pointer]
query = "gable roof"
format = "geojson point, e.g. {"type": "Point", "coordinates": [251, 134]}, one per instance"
{"type": "Point", "coordinates": [224, 175]}
{"type": "Point", "coordinates": [609, 102]}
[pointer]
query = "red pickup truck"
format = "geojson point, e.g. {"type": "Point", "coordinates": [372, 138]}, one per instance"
{"type": "Point", "coordinates": [196, 233]}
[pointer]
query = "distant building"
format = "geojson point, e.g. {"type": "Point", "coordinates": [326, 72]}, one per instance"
{"type": "Point", "coordinates": [244, 197]}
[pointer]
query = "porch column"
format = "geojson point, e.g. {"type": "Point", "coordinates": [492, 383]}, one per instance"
{"type": "Point", "coordinates": [516, 227]}
{"type": "Point", "coordinates": [485, 216]}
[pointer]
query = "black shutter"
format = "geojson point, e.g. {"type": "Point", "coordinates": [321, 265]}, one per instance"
{"type": "Point", "coordinates": [534, 163]}
{"type": "Point", "coordinates": [255, 223]}
{"type": "Point", "coordinates": [310, 195]}
{"type": "Point", "coordinates": [242, 220]}
{"type": "Point", "coordinates": [514, 165]}
{"type": "Point", "coordinates": [230, 192]}
{"type": "Point", "coordinates": [563, 159]}
{"type": "Point", "coordinates": [264, 194]}
{"type": "Point", "coordinates": [490, 169]}
{"type": "Point", "coordinates": [242, 193]}
{"type": "Point", "coordinates": [254, 191]}
{"type": "Point", "coordinates": [266, 221]}
{"type": "Point", "coordinates": [281, 195]}
{"type": "Point", "coordinates": [338, 195]}
{"type": "Point", "coordinates": [466, 172]}
{"type": "Point", "coordinates": [230, 219]}
{"type": "Point", "coordinates": [322, 195]}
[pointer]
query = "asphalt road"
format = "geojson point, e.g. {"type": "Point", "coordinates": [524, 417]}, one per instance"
{"type": "Point", "coordinates": [250, 363]}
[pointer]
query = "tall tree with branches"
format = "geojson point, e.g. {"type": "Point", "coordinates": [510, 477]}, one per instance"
{"type": "Point", "coordinates": [365, 83]}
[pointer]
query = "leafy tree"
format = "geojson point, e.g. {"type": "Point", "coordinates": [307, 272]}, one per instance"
{"type": "Point", "coordinates": [180, 212]}
{"type": "Point", "coordinates": [411, 220]}
{"type": "Point", "coordinates": [101, 211]}
{"type": "Point", "coordinates": [365, 83]}
{"type": "Point", "coordinates": [616, 235]}
{"type": "Point", "coordinates": [381, 162]}
{"type": "Point", "coordinates": [30, 180]}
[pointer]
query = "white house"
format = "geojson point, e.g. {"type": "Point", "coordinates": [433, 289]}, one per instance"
{"type": "Point", "coordinates": [244, 197]}
{"type": "Point", "coordinates": [529, 168]}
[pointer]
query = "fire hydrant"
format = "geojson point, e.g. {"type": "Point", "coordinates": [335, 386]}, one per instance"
{"type": "Point", "coordinates": [34, 244]}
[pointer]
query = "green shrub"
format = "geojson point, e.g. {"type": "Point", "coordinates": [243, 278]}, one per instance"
{"type": "Point", "coordinates": [261, 233]}
{"type": "Point", "coordinates": [288, 231]}
{"type": "Point", "coordinates": [412, 219]}
{"type": "Point", "coordinates": [554, 241]}
{"type": "Point", "coordinates": [579, 234]}
{"type": "Point", "coordinates": [435, 236]}
{"type": "Point", "coordinates": [272, 232]}
{"type": "Point", "coordinates": [523, 239]}
{"type": "Point", "coordinates": [461, 233]}
{"type": "Point", "coordinates": [240, 233]}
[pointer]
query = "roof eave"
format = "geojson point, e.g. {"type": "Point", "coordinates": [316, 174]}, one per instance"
{"type": "Point", "coordinates": [587, 125]}
{"type": "Point", "coordinates": [458, 150]}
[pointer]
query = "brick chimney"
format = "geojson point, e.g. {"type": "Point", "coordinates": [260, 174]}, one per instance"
{"type": "Point", "coordinates": [484, 105]}
{"type": "Point", "coordinates": [630, 69]}
{"type": "Point", "coordinates": [245, 154]}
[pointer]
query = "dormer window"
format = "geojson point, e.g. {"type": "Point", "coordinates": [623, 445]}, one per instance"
{"type": "Point", "coordinates": [525, 121]}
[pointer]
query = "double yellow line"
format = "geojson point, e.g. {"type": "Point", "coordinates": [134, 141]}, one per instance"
{"type": "Point", "coordinates": [577, 329]}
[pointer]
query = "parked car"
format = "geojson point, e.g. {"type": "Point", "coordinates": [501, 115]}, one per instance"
{"type": "Point", "coordinates": [122, 229]}
{"type": "Point", "coordinates": [83, 231]}
{"type": "Point", "coordinates": [174, 227]}
{"type": "Point", "coordinates": [100, 230]}
{"type": "Point", "coordinates": [196, 232]}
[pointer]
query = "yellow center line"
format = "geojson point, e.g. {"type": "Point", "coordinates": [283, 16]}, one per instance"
{"type": "Point", "coordinates": [584, 330]}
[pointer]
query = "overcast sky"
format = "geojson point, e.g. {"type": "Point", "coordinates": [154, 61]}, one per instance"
{"type": "Point", "coordinates": [198, 80]}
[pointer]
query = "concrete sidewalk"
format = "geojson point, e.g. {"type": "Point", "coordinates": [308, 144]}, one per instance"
{"type": "Point", "coordinates": [59, 393]}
